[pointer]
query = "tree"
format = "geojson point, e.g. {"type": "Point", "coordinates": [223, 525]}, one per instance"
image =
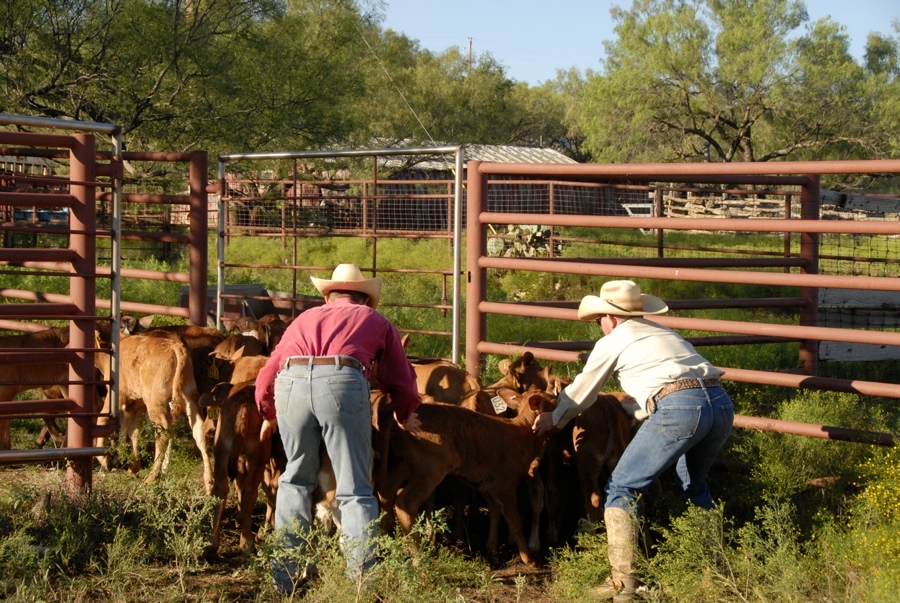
{"type": "Point", "coordinates": [415, 96]}
{"type": "Point", "coordinates": [220, 75]}
{"type": "Point", "coordinates": [554, 108]}
{"type": "Point", "coordinates": [253, 75]}
{"type": "Point", "coordinates": [723, 80]}
{"type": "Point", "coordinates": [882, 59]}
{"type": "Point", "coordinates": [138, 64]}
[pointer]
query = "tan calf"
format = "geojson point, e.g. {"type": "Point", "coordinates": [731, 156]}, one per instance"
{"type": "Point", "coordinates": [156, 378]}
{"type": "Point", "coordinates": [443, 380]}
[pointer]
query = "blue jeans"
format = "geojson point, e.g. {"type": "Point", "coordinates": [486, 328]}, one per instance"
{"type": "Point", "coordinates": [329, 403]}
{"type": "Point", "coordinates": [688, 430]}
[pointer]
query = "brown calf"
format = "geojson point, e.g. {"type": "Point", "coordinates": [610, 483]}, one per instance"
{"type": "Point", "coordinates": [239, 456]}
{"type": "Point", "coordinates": [268, 329]}
{"type": "Point", "coordinates": [21, 378]}
{"type": "Point", "coordinates": [508, 403]}
{"type": "Point", "coordinates": [599, 437]}
{"type": "Point", "coordinates": [522, 373]}
{"type": "Point", "coordinates": [201, 341]}
{"type": "Point", "coordinates": [491, 454]}
{"type": "Point", "coordinates": [246, 368]}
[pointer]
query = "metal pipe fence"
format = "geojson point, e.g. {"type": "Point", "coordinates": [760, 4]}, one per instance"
{"type": "Point", "coordinates": [588, 215]}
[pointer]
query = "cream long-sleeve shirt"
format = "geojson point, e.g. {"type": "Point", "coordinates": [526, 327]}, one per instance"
{"type": "Point", "coordinates": [645, 357]}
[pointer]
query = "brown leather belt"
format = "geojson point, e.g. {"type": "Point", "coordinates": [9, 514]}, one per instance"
{"type": "Point", "coordinates": [680, 385]}
{"type": "Point", "coordinates": [335, 360]}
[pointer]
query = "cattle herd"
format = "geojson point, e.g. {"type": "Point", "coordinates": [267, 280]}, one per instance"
{"type": "Point", "coordinates": [477, 455]}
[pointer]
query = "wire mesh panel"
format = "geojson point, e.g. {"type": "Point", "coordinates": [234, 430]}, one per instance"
{"type": "Point", "coordinates": [313, 204]}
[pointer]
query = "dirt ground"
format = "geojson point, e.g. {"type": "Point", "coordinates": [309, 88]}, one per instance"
{"type": "Point", "coordinates": [231, 578]}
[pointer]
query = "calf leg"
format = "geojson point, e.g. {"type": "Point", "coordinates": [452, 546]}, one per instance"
{"type": "Point", "coordinates": [247, 491]}
{"type": "Point", "coordinates": [506, 498]}
{"type": "Point", "coordinates": [536, 502]}
{"type": "Point", "coordinates": [199, 429]}
{"type": "Point", "coordinates": [589, 470]}
{"type": "Point", "coordinates": [51, 430]}
{"type": "Point", "coordinates": [161, 456]}
{"type": "Point", "coordinates": [131, 431]}
{"type": "Point", "coordinates": [411, 498]}
{"type": "Point", "coordinates": [492, 546]}
{"type": "Point", "coordinates": [387, 489]}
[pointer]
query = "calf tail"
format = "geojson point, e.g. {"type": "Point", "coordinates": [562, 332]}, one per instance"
{"type": "Point", "coordinates": [185, 393]}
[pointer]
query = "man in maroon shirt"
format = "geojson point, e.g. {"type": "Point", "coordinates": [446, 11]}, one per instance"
{"type": "Point", "coordinates": [314, 388]}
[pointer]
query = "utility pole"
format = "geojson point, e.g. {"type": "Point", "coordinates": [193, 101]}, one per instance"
{"type": "Point", "coordinates": [470, 55]}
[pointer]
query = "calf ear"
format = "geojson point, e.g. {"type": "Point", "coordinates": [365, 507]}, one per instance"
{"type": "Point", "coordinates": [503, 365]}
{"type": "Point", "coordinates": [535, 402]}
{"type": "Point", "coordinates": [146, 321]}
{"type": "Point", "coordinates": [128, 324]}
{"type": "Point", "coordinates": [208, 399]}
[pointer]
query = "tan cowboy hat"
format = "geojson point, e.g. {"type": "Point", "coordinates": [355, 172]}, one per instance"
{"type": "Point", "coordinates": [348, 277]}
{"type": "Point", "coordinates": [620, 298]}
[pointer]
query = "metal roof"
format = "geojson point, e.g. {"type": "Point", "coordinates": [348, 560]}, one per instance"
{"type": "Point", "coordinates": [484, 152]}
{"type": "Point", "coordinates": [512, 154]}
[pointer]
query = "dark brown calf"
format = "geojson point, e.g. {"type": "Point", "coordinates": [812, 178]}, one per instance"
{"type": "Point", "coordinates": [491, 454]}
{"type": "Point", "coordinates": [599, 437]}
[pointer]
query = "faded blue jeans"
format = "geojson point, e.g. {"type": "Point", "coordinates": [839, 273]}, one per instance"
{"type": "Point", "coordinates": [329, 403]}
{"type": "Point", "coordinates": [687, 430]}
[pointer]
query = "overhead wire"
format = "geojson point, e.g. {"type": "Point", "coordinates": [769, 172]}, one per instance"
{"type": "Point", "coordinates": [402, 96]}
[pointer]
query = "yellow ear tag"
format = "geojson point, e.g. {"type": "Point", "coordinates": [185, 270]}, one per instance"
{"type": "Point", "coordinates": [213, 372]}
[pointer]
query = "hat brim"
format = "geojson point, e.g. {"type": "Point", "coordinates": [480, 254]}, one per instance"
{"type": "Point", "coordinates": [592, 306]}
{"type": "Point", "coordinates": [371, 287]}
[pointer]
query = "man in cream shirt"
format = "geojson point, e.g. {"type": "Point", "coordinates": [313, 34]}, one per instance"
{"type": "Point", "coordinates": [689, 413]}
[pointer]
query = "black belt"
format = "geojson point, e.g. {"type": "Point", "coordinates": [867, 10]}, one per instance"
{"type": "Point", "coordinates": [683, 384]}
{"type": "Point", "coordinates": [335, 360]}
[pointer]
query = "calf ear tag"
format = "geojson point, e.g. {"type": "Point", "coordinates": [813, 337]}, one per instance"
{"type": "Point", "coordinates": [499, 405]}
{"type": "Point", "coordinates": [213, 371]}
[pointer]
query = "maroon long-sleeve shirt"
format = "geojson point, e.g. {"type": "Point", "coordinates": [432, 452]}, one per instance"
{"type": "Point", "coordinates": [343, 328]}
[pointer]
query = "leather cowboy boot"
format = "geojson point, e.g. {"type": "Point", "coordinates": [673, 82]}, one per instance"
{"type": "Point", "coordinates": [621, 586]}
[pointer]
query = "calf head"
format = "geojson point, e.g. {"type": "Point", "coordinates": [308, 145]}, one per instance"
{"type": "Point", "coordinates": [216, 397]}
{"type": "Point", "coordinates": [523, 373]}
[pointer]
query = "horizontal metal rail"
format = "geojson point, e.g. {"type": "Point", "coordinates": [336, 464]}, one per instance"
{"type": "Point", "coordinates": [677, 172]}
{"type": "Point", "coordinates": [872, 283]}
{"type": "Point", "coordinates": [777, 225]}
{"type": "Point", "coordinates": [12, 457]}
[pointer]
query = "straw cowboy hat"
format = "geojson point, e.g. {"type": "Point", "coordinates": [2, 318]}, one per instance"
{"type": "Point", "coordinates": [620, 298]}
{"type": "Point", "coordinates": [348, 277]}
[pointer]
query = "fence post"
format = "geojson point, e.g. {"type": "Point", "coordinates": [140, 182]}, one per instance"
{"type": "Point", "coordinates": [809, 251]}
{"type": "Point", "coordinates": [83, 291]}
{"type": "Point", "coordinates": [659, 211]}
{"type": "Point", "coordinates": [476, 276]}
{"type": "Point", "coordinates": [199, 226]}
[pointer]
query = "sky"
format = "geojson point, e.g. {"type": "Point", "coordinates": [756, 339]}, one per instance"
{"type": "Point", "coordinates": [533, 39]}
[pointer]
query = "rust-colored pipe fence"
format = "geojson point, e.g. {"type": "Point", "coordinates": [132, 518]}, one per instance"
{"type": "Point", "coordinates": [795, 272]}
{"type": "Point", "coordinates": [77, 263]}
{"type": "Point", "coordinates": [85, 205]}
